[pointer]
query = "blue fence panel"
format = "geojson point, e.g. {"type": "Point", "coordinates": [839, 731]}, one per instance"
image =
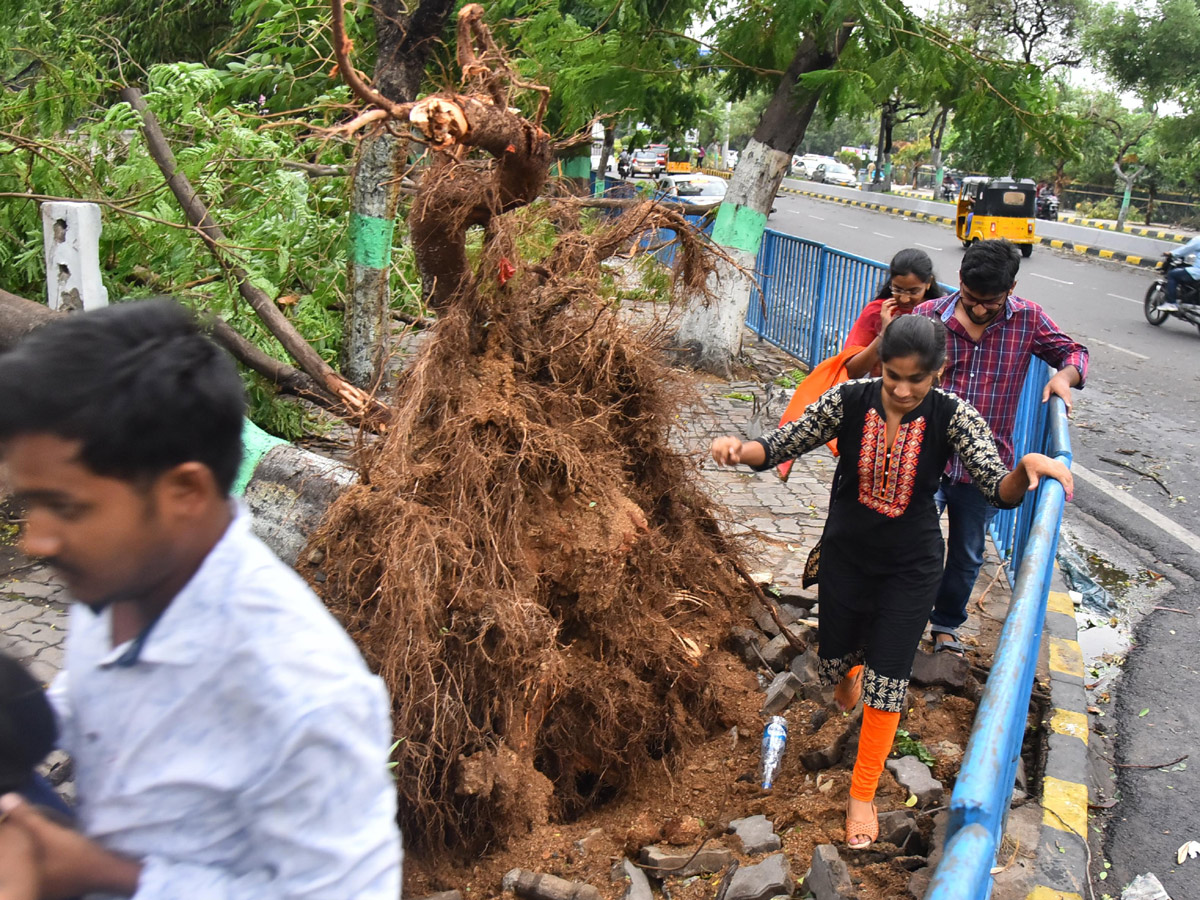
{"type": "Point", "coordinates": [809, 295]}
{"type": "Point", "coordinates": [1010, 527]}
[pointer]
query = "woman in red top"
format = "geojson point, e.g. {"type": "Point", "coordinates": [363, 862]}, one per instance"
{"type": "Point", "coordinates": [910, 281]}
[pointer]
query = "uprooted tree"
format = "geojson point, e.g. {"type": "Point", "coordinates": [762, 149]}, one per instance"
{"type": "Point", "coordinates": [529, 565]}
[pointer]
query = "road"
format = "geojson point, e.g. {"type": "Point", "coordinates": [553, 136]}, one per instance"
{"type": "Point", "coordinates": [1139, 408]}
{"type": "Point", "coordinates": [1076, 234]}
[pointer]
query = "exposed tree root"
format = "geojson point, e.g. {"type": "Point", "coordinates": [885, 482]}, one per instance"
{"type": "Point", "coordinates": [532, 569]}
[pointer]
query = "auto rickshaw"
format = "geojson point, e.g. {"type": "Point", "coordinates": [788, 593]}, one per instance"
{"type": "Point", "coordinates": [993, 208]}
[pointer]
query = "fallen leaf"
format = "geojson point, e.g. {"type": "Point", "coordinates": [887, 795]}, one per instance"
{"type": "Point", "coordinates": [1189, 850]}
{"type": "Point", "coordinates": [760, 577]}
{"type": "Point", "coordinates": [826, 787]}
{"type": "Point", "coordinates": [287, 300]}
{"type": "Point", "coordinates": [911, 801]}
{"type": "Point", "coordinates": [1143, 712]}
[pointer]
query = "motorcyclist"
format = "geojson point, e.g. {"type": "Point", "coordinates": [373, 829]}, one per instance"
{"type": "Point", "coordinates": [1183, 274]}
{"type": "Point", "coordinates": [623, 161]}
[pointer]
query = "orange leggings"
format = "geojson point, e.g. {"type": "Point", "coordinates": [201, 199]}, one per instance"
{"type": "Point", "coordinates": [874, 745]}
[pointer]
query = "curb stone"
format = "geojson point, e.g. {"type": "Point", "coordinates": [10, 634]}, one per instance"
{"type": "Point", "coordinates": [1061, 866]}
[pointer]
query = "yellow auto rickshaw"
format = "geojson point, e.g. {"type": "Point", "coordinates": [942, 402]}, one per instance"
{"type": "Point", "coordinates": [993, 208]}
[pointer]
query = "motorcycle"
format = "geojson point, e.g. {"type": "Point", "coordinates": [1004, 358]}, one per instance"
{"type": "Point", "coordinates": [1187, 296]}
{"type": "Point", "coordinates": [1047, 207]}
{"type": "Point", "coordinates": [949, 190]}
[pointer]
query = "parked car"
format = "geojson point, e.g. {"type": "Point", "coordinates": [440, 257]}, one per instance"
{"type": "Point", "coordinates": [647, 162]}
{"type": "Point", "coordinates": [804, 166]}
{"type": "Point", "coordinates": [692, 188]}
{"type": "Point", "coordinates": [835, 173]}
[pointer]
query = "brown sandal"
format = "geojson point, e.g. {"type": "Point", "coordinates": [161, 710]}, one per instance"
{"type": "Point", "coordinates": [855, 692]}
{"type": "Point", "coordinates": [862, 829]}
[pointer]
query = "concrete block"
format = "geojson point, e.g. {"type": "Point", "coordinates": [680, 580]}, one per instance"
{"type": "Point", "coordinates": [780, 692]}
{"type": "Point", "coordinates": [914, 776]}
{"type": "Point", "coordinates": [829, 878]}
{"type": "Point", "coordinates": [712, 858]}
{"type": "Point", "coordinates": [639, 884]}
{"type": "Point", "coordinates": [942, 669]}
{"type": "Point", "coordinates": [770, 878]}
{"type": "Point", "coordinates": [71, 239]}
{"type": "Point", "coordinates": [757, 834]}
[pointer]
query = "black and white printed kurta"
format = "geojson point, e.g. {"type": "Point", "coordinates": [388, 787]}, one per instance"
{"type": "Point", "coordinates": [882, 551]}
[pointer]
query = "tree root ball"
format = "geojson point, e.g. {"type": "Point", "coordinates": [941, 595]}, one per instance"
{"type": "Point", "coordinates": [532, 569]}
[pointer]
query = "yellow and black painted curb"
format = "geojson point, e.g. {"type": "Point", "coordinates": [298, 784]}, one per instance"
{"type": "Point", "coordinates": [1061, 866]}
{"type": "Point", "coordinates": [1132, 259]}
{"type": "Point", "coordinates": [1101, 224]}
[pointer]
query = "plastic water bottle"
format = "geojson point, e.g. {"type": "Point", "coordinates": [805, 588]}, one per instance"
{"type": "Point", "coordinates": [773, 742]}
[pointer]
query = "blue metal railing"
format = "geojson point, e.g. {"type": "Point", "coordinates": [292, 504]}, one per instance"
{"type": "Point", "coordinates": [809, 298]}
{"type": "Point", "coordinates": [983, 792]}
{"type": "Point", "coordinates": [660, 238]}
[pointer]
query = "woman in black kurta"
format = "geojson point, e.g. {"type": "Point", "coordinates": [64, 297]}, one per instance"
{"type": "Point", "coordinates": [882, 550]}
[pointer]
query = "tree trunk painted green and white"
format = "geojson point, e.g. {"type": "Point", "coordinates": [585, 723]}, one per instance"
{"type": "Point", "coordinates": [710, 332]}
{"type": "Point", "coordinates": [406, 37]}
{"type": "Point", "coordinates": [1127, 178]}
{"type": "Point", "coordinates": [372, 221]}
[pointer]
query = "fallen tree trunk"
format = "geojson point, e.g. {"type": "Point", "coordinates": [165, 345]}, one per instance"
{"type": "Point", "coordinates": [355, 402]}
{"type": "Point", "coordinates": [18, 317]}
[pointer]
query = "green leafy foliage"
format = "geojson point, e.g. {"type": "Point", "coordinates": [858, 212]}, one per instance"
{"type": "Point", "coordinates": [908, 745]}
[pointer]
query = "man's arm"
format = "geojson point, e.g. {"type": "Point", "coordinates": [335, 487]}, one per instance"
{"type": "Point", "coordinates": [1063, 353]}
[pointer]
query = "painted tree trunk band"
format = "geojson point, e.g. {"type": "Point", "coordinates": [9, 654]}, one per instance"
{"type": "Point", "coordinates": [371, 240]}
{"type": "Point", "coordinates": [576, 167]}
{"type": "Point", "coordinates": [256, 444]}
{"type": "Point", "coordinates": [739, 227]}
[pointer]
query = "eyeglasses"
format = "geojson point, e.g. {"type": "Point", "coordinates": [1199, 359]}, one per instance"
{"type": "Point", "coordinates": [907, 292]}
{"type": "Point", "coordinates": [985, 302]}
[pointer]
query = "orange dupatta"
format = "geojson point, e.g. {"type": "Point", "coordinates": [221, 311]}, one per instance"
{"type": "Point", "coordinates": [824, 376]}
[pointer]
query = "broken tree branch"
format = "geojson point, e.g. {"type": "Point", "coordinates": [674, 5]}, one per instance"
{"type": "Point", "coordinates": [1135, 469]}
{"type": "Point", "coordinates": [356, 402]}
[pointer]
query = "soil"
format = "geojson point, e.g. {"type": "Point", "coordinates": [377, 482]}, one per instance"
{"type": "Point", "coordinates": [695, 795]}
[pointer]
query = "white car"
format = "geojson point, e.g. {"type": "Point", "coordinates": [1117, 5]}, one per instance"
{"type": "Point", "coordinates": [835, 173]}
{"type": "Point", "coordinates": [691, 188]}
{"type": "Point", "coordinates": [804, 166]}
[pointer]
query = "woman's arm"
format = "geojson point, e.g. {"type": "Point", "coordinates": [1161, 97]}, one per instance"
{"type": "Point", "coordinates": [819, 424]}
{"type": "Point", "coordinates": [972, 440]}
{"type": "Point", "coordinates": [1031, 468]}
{"type": "Point", "coordinates": [864, 362]}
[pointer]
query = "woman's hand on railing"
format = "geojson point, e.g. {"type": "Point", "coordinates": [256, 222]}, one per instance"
{"type": "Point", "coordinates": [1037, 466]}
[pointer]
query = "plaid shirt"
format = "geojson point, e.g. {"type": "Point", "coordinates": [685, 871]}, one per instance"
{"type": "Point", "coordinates": [990, 374]}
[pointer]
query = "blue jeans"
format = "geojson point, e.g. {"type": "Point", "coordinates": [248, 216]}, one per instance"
{"type": "Point", "coordinates": [970, 515]}
{"type": "Point", "coordinates": [1174, 278]}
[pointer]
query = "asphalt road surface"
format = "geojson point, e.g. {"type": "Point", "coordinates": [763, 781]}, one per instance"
{"type": "Point", "coordinates": [1138, 411]}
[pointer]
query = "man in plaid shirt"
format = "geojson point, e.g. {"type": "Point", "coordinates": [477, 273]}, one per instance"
{"type": "Point", "coordinates": [990, 334]}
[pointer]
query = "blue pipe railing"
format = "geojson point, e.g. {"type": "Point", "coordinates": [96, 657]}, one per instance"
{"type": "Point", "coordinates": [983, 791]}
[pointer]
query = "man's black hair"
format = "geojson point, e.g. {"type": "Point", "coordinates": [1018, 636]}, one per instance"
{"type": "Point", "coordinates": [918, 336]}
{"type": "Point", "coordinates": [137, 383]}
{"type": "Point", "coordinates": [990, 267]}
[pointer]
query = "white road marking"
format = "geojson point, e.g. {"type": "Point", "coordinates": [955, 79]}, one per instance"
{"type": "Point", "coordinates": [1115, 347]}
{"type": "Point", "coordinates": [818, 218]}
{"type": "Point", "coordinates": [1147, 512]}
{"type": "Point", "coordinates": [1048, 278]}
{"type": "Point", "coordinates": [928, 246]}
{"type": "Point", "coordinates": [1127, 299]}
{"type": "Point", "coordinates": [880, 234]}
{"type": "Point", "coordinates": [844, 225]}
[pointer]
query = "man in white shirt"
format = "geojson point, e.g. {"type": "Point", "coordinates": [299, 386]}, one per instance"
{"type": "Point", "coordinates": [229, 742]}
